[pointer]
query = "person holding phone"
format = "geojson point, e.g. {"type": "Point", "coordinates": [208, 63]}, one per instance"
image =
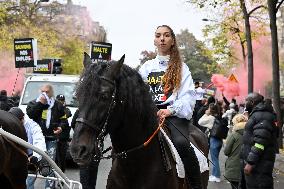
{"type": "Point", "coordinates": [47, 111]}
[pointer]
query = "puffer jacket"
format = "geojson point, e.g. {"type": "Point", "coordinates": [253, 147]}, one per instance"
{"type": "Point", "coordinates": [260, 129]}
{"type": "Point", "coordinates": [260, 146]}
{"type": "Point", "coordinates": [232, 150]}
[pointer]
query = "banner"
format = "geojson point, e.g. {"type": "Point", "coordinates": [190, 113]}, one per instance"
{"type": "Point", "coordinates": [48, 66]}
{"type": "Point", "coordinates": [43, 66]}
{"type": "Point", "coordinates": [100, 52]}
{"type": "Point", "coordinates": [25, 52]}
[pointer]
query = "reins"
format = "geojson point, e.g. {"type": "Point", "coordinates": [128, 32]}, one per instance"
{"type": "Point", "coordinates": [125, 153]}
{"type": "Point", "coordinates": [155, 132]}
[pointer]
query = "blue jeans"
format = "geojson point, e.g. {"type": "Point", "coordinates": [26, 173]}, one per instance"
{"type": "Point", "coordinates": [215, 148]}
{"type": "Point", "coordinates": [51, 151]}
{"type": "Point", "coordinates": [30, 182]}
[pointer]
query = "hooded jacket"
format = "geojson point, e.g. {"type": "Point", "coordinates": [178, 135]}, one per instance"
{"type": "Point", "coordinates": [260, 146]}
{"type": "Point", "coordinates": [232, 150]}
{"type": "Point", "coordinates": [181, 102]}
{"type": "Point", "coordinates": [260, 136]}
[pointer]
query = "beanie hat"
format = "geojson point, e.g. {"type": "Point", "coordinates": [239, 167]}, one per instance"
{"type": "Point", "coordinates": [3, 92]}
{"type": "Point", "coordinates": [17, 112]}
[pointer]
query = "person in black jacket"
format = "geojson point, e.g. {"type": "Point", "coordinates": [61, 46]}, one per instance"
{"type": "Point", "coordinates": [47, 111]}
{"type": "Point", "coordinates": [64, 136]}
{"type": "Point", "coordinates": [4, 101]}
{"type": "Point", "coordinates": [259, 144]}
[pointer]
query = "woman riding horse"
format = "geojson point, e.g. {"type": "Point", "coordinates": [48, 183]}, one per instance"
{"type": "Point", "coordinates": [173, 92]}
{"type": "Point", "coordinates": [114, 99]}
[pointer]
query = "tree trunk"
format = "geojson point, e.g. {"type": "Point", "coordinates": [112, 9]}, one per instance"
{"type": "Point", "coordinates": [249, 46]}
{"type": "Point", "coordinates": [275, 65]}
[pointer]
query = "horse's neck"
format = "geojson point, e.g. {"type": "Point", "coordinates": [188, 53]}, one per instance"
{"type": "Point", "coordinates": [131, 136]}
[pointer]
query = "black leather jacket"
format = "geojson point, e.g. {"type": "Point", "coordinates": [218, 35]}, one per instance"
{"type": "Point", "coordinates": [35, 110]}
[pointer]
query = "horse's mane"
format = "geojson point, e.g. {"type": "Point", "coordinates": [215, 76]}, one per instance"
{"type": "Point", "coordinates": [131, 91]}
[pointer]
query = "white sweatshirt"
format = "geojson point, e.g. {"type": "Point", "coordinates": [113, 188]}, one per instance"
{"type": "Point", "coordinates": [199, 93]}
{"type": "Point", "coordinates": [182, 101]}
{"type": "Point", "coordinates": [35, 136]}
{"type": "Point", "coordinates": [206, 121]}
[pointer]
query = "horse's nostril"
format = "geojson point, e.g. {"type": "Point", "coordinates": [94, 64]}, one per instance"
{"type": "Point", "coordinates": [82, 151]}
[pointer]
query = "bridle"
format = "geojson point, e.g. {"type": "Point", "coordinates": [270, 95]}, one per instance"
{"type": "Point", "coordinates": [102, 132]}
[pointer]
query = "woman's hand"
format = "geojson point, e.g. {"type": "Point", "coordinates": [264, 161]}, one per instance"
{"type": "Point", "coordinates": [163, 113]}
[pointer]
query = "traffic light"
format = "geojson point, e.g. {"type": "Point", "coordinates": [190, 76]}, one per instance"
{"type": "Point", "coordinates": [57, 69]}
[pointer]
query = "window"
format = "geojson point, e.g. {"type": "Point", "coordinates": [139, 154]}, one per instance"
{"type": "Point", "coordinates": [32, 91]}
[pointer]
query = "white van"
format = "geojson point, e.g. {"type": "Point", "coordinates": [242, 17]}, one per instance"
{"type": "Point", "coordinates": [62, 84]}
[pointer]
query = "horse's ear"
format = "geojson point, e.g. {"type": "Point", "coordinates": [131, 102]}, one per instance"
{"type": "Point", "coordinates": [115, 68]}
{"type": "Point", "coordinates": [121, 61]}
{"type": "Point", "coordinates": [87, 60]}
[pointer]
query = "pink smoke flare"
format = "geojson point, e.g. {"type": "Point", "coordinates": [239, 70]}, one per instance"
{"type": "Point", "coordinates": [9, 73]}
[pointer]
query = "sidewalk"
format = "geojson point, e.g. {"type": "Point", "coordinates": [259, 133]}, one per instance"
{"type": "Point", "coordinates": [279, 162]}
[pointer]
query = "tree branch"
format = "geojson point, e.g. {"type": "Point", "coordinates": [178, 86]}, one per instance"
{"type": "Point", "coordinates": [279, 4]}
{"type": "Point", "coordinates": [256, 8]}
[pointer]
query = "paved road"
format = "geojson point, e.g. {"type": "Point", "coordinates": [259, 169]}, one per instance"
{"type": "Point", "coordinates": [73, 173]}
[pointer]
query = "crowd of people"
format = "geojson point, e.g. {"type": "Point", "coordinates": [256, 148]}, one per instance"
{"type": "Point", "coordinates": [7, 102]}
{"type": "Point", "coordinates": [248, 133]}
{"type": "Point", "coordinates": [46, 126]}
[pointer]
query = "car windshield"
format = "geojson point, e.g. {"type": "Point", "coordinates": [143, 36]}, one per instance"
{"type": "Point", "coordinates": [32, 91]}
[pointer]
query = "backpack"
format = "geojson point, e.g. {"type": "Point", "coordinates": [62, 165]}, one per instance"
{"type": "Point", "coordinates": [219, 129]}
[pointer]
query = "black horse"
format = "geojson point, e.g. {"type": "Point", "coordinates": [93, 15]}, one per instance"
{"type": "Point", "coordinates": [114, 99]}
{"type": "Point", "coordinates": [13, 157]}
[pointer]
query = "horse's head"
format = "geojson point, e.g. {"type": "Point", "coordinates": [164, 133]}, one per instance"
{"type": "Point", "coordinates": [96, 95]}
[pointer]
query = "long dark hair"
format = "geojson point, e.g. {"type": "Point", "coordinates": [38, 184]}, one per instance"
{"type": "Point", "coordinates": [214, 110]}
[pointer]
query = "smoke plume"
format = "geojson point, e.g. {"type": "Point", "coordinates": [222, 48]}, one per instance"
{"type": "Point", "coordinates": [8, 74]}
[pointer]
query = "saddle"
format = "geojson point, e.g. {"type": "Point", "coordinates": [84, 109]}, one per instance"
{"type": "Point", "coordinates": [174, 154]}
{"type": "Point", "coordinates": [165, 141]}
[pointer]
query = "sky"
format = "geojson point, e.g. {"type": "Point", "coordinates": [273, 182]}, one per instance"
{"type": "Point", "coordinates": [131, 24]}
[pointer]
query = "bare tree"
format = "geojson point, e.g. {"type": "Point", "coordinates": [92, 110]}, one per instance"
{"type": "Point", "coordinates": [273, 7]}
